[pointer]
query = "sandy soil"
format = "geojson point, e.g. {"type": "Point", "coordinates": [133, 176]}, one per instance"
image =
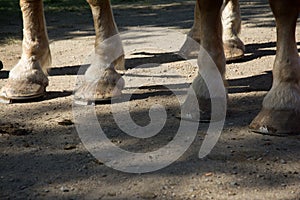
{"type": "Point", "coordinates": [42, 156]}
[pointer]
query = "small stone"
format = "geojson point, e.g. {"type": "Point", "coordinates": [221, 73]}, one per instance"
{"type": "Point", "coordinates": [233, 183]}
{"type": "Point", "coordinates": [282, 161]}
{"type": "Point", "coordinates": [112, 194]}
{"type": "Point", "coordinates": [148, 195]}
{"type": "Point", "coordinates": [234, 172]}
{"type": "Point", "coordinates": [64, 189]}
{"type": "Point", "coordinates": [69, 147]}
{"type": "Point", "coordinates": [208, 174]}
{"type": "Point", "coordinates": [259, 176]}
{"type": "Point", "coordinates": [231, 193]}
{"type": "Point", "coordinates": [23, 187]}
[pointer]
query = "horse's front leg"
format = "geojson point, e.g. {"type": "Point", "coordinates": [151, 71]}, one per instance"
{"type": "Point", "coordinates": [101, 79]}
{"type": "Point", "coordinates": [28, 78]}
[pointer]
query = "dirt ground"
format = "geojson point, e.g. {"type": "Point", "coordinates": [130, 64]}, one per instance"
{"type": "Point", "coordinates": [42, 156]}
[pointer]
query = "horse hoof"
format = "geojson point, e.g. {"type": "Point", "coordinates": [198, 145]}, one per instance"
{"type": "Point", "coordinates": [106, 88]}
{"type": "Point", "coordinates": [276, 123]}
{"type": "Point", "coordinates": [233, 50]}
{"type": "Point", "coordinates": [22, 90]}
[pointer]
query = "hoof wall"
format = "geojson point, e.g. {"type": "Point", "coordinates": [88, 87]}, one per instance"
{"type": "Point", "coordinates": [233, 51]}
{"type": "Point", "coordinates": [21, 90]}
{"type": "Point", "coordinates": [276, 123]}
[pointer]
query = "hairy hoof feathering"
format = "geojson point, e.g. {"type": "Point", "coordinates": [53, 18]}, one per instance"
{"type": "Point", "coordinates": [109, 86]}
{"type": "Point", "coordinates": [277, 122]}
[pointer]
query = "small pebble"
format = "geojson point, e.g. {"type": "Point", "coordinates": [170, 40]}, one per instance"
{"type": "Point", "coordinates": [148, 195]}
{"type": "Point", "coordinates": [231, 193]}
{"type": "Point", "coordinates": [233, 183]}
{"type": "Point", "coordinates": [208, 174]}
{"type": "Point", "coordinates": [69, 147]}
{"type": "Point", "coordinates": [112, 194]}
{"type": "Point", "coordinates": [23, 187]}
{"type": "Point", "coordinates": [259, 159]}
{"type": "Point", "coordinates": [64, 189]}
{"type": "Point", "coordinates": [282, 161]}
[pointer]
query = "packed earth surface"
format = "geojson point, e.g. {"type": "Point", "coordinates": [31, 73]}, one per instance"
{"type": "Point", "coordinates": [43, 157]}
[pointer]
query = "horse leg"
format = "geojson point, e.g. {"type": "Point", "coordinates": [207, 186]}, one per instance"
{"type": "Point", "coordinates": [101, 79]}
{"type": "Point", "coordinates": [212, 50]}
{"type": "Point", "coordinates": [280, 114]}
{"type": "Point", "coordinates": [231, 20]}
{"type": "Point", "coordinates": [28, 78]}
